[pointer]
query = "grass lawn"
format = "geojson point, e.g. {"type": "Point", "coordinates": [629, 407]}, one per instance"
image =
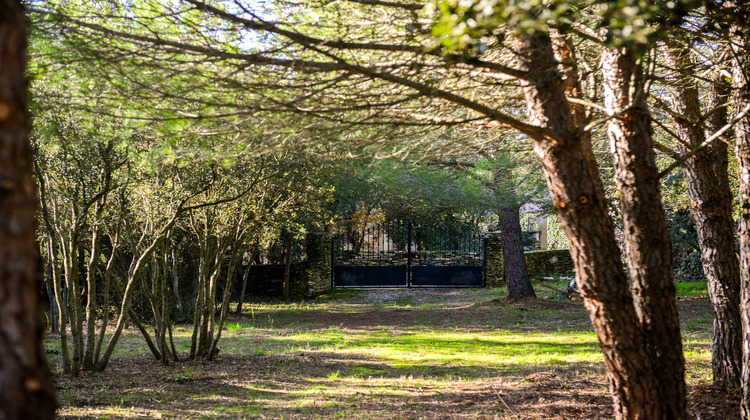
{"type": "Point", "coordinates": [458, 353]}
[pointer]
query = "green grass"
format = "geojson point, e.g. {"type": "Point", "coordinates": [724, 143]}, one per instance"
{"type": "Point", "coordinates": [359, 354]}
{"type": "Point", "coordinates": [692, 289]}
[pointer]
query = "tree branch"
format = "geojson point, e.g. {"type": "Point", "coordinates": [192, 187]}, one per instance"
{"type": "Point", "coordinates": [708, 141]}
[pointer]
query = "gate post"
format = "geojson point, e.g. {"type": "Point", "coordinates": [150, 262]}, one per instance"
{"type": "Point", "coordinates": [493, 259]}
{"type": "Point", "coordinates": [408, 255]}
{"type": "Point", "coordinates": [319, 263]}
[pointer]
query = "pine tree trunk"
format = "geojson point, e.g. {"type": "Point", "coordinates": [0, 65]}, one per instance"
{"type": "Point", "coordinates": [741, 88]}
{"type": "Point", "coordinates": [26, 389]}
{"type": "Point", "coordinates": [647, 243]}
{"type": "Point", "coordinates": [707, 180]}
{"type": "Point", "coordinates": [514, 262]}
{"type": "Point", "coordinates": [579, 200]}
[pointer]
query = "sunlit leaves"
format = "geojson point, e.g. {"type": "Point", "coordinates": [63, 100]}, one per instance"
{"type": "Point", "coordinates": [461, 24]}
{"type": "Point", "coordinates": [476, 24]}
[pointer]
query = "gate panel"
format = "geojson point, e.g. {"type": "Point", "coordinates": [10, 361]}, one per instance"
{"type": "Point", "coordinates": [370, 276]}
{"type": "Point", "coordinates": [446, 277]}
{"type": "Point", "coordinates": [446, 257]}
{"type": "Point", "coordinates": [374, 256]}
{"type": "Point", "coordinates": [399, 254]}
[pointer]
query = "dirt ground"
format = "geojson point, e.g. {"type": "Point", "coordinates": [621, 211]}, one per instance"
{"type": "Point", "coordinates": [330, 383]}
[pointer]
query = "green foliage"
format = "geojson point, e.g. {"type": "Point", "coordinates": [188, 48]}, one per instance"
{"type": "Point", "coordinates": [685, 248]}
{"type": "Point", "coordinates": [641, 21]}
{"type": "Point", "coordinates": [510, 179]}
{"type": "Point", "coordinates": [415, 192]}
{"type": "Point", "coordinates": [463, 24]}
{"type": "Point", "coordinates": [477, 25]}
{"type": "Point", "coordinates": [686, 252]}
{"type": "Point", "coordinates": [555, 235]}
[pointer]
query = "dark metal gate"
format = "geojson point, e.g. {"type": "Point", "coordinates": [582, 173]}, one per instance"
{"type": "Point", "coordinates": [402, 254]}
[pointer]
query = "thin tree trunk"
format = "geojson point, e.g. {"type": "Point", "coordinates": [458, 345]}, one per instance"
{"type": "Point", "coordinates": [107, 287]}
{"type": "Point", "coordinates": [514, 262]}
{"type": "Point", "coordinates": [287, 259]}
{"type": "Point", "coordinates": [207, 320]}
{"type": "Point", "coordinates": [49, 284]}
{"type": "Point", "coordinates": [152, 292]}
{"type": "Point", "coordinates": [243, 289]}
{"type": "Point", "coordinates": [26, 389]}
{"type": "Point", "coordinates": [199, 300]}
{"type": "Point", "coordinates": [164, 348]}
{"type": "Point", "coordinates": [175, 356]}
{"type": "Point", "coordinates": [73, 304]}
{"type": "Point", "coordinates": [61, 307]}
{"type": "Point", "coordinates": [213, 350]}
{"type": "Point", "coordinates": [176, 287]}
{"type": "Point", "coordinates": [88, 356]}
{"type": "Point", "coordinates": [210, 307]}
{"type": "Point", "coordinates": [707, 178]}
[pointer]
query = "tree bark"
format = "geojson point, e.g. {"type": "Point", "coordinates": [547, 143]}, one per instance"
{"type": "Point", "coordinates": [91, 292]}
{"type": "Point", "coordinates": [647, 243]}
{"type": "Point", "coordinates": [741, 93]}
{"type": "Point", "coordinates": [26, 389]}
{"type": "Point", "coordinates": [579, 200]}
{"type": "Point", "coordinates": [54, 316]}
{"type": "Point", "coordinates": [707, 179]}
{"type": "Point", "coordinates": [243, 288]}
{"type": "Point", "coordinates": [514, 262]}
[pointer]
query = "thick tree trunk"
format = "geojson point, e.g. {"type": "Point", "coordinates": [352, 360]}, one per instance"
{"type": "Point", "coordinates": [514, 262]}
{"type": "Point", "coordinates": [707, 180]}
{"type": "Point", "coordinates": [26, 390]}
{"type": "Point", "coordinates": [741, 87]}
{"type": "Point", "coordinates": [647, 243]}
{"type": "Point", "coordinates": [577, 194]}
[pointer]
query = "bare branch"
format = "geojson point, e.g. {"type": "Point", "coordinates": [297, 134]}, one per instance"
{"type": "Point", "coordinates": [740, 115]}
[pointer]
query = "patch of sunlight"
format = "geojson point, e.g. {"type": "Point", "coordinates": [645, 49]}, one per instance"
{"type": "Point", "coordinates": [495, 349]}
{"type": "Point", "coordinates": [109, 412]}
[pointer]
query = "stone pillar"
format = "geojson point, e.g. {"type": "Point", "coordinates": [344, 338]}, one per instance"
{"type": "Point", "coordinates": [542, 226]}
{"type": "Point", "coordinates": [493, 259]}
{"type": "Point", "coordinates": [318, 267]}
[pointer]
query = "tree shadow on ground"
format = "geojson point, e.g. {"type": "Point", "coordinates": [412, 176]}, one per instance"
{"type": "Point", "coordinates": [325, 385]}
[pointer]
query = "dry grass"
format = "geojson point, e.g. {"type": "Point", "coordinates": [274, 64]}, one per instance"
{"type": "Point", "coordinates": [388, 354]}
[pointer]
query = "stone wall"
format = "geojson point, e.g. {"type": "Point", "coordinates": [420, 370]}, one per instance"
{"type": "Point", "coordinates": [553, 262]}
{"type": "Point", "coordinates": [308, 278]}
{"type": "Point", "coordinates": [493, 260]}
{"type": "Point", "coordinates": [318, 273]}
{"type": "Point", "coordinates": [540, 263]}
